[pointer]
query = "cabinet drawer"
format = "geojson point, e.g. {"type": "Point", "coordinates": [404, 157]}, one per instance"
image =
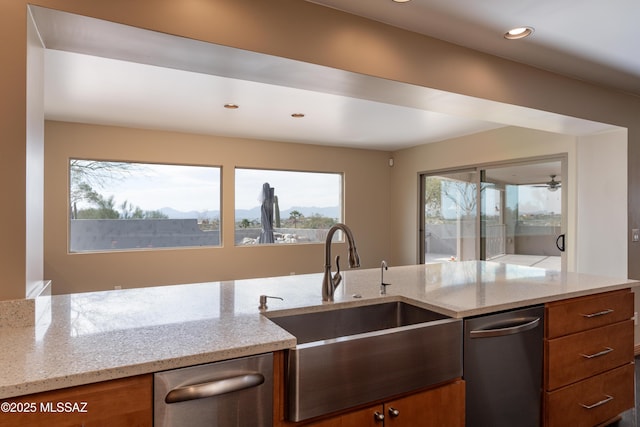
{"type": "Point", "coordinates": [592, 401]}
{"type": "Point", "coordinates": [578, 356]}
{"type": "Point", "coordinates": [579, 314]}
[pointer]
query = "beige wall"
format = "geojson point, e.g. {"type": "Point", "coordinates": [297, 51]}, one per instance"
{"type": "Point", "coordinates": [13, 125]}
{"type": "Point", "coordinates": [366, 187]}
{"type": "Point", "coordinates": [498, 145]}
{"type": "Point", "coordinates": [307, 32]}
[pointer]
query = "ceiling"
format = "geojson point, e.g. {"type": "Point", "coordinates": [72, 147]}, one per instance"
{"type": "Point", "coordinates": [591, 40]}
{"type": "Point", "coordinates": [93, 74]}
{"type": "Point", "coordinates": [525, 174]}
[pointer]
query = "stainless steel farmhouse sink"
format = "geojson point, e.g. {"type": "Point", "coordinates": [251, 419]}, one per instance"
{"type": "Point", "coordinates": [355, 355]}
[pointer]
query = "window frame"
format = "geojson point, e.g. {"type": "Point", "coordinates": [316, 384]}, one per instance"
{"type": "Point", "coordinates": [218, 167]}
{"type": "Point", "coordinates": [339, 196]}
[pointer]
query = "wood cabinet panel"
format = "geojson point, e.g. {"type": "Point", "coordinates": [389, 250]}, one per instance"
{"type": "Point", "coordinates": [358, 418]}
{"type": "Point", "coordinates": [574, 357]}
{"type": "Point", "coordinates": [124, 402]}
{"type": "Point", "coordinates": [439, 406]}
{"type": "Point", "coordinates": [362, 418]}
{"type": "Point", "coordinates": [592, 401]}
{"type": "Point", "coordinates": [580, 314]}
{"type": "Point", "coordinates": [442, 406]}
{"type": "Point", "coordinates": [589, 372]}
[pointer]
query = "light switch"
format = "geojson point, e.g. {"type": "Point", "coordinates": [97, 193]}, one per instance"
{"type": "Point", "coordinates": [635, 235]}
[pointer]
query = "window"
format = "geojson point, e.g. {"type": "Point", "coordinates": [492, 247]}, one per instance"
{"type": "Point", "coordinates": [274, 206]}
{"type": "Point", "coordinates": [126, 206]}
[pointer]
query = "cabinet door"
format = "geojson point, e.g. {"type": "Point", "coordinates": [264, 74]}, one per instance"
{"type": "Point", "coordinates": [125, 402]}
{"type": "Point", "coordinates": [330, 422]}
{"type": "Point", "coordinates": [363, 418]}
{"type": "Point", "coordinates": [360, 418]}
{"type": "Point", "coordinates": [442, 406]}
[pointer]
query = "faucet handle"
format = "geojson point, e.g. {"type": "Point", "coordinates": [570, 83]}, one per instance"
{"type": "Point", "coordinates": [337, 278]}
{"type": "Point", "coordinates": [263, 301]}
{"type": "Point", "coordinates": [383, 286]}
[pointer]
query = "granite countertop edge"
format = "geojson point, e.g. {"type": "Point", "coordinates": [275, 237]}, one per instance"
{"type": "Point", "coordinates": [247, 331]}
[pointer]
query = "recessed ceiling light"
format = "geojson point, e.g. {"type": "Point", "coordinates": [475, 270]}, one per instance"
{"type": "Point", "coordinates": [297, 115]}
{"type": "Point", "coordinates": [518, 33]}
{"type": "Point", "coordinates": [401, 1]}
{"type": "Point", "coordinates": [231, 106]}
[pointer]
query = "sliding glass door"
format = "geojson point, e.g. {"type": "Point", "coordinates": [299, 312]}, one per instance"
{"type": "Point", "coordinates": [512, 213]}
{"type": "Point", "coordinates": [522, 219]}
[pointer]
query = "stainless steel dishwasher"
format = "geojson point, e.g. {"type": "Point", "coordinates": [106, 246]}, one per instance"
{"type": "Point", "coordinates": [503, 356]}
{"type": "Point", "coordinates": [233, 393]}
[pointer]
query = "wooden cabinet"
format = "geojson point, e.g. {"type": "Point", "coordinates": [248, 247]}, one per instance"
{"type": "Point", "coordinates": [357, 418]}
{"type": "Point", "coordinates": [123, 402]}
{"type": "Point", "coordinates": [589, 370]}
{"type": "Point", "coordinates": [441, 406]}
{"type": "Point", "coordinates": [437, 407]}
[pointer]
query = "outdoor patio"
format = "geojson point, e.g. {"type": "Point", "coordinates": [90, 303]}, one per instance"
{"type": "Point", "coordinates": [539, 261]}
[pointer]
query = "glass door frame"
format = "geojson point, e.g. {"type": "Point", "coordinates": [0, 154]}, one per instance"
{"type": "Point", "coordinates": [478, 170]}
{"type": "Point", "coordinates": [421, 225]}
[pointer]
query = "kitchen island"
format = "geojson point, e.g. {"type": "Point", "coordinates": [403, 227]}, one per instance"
{"type": "Point", "coordinates": [99, 336]}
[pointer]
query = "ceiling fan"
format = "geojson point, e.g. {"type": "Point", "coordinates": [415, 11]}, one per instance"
{"type": "Point", "coordinates": [552, 185]}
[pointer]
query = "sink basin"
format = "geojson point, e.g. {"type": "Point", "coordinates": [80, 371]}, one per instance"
{"type": "Point", "coordinates": [350, 356]}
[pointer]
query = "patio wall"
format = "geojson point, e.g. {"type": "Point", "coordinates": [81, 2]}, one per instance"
{"type": "Point", "coordinates": [528, 239]}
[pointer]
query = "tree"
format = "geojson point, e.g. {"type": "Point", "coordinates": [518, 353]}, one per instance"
{"type": "Point", "coordinates": [153, 214]}
{"type": "Point", "coordinates": [295, 217]}
{"type": "Point", "coordinates": [128, 211]}
{"type": "Point", "coordinates": [104, 207]}
{"type": "Point", "coordinates": [433, 197]}
{"type": "Point", "coordinates": [87, 175]}
{"type": "Point", "coordinates": [317, 221]}
{"type": "Point", "coordinates": [463, 195]}
{"type": "Point", "coordinates": [94, 172]}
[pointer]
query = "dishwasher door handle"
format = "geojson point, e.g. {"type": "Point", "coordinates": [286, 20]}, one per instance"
{"type": "Point", "coordinates": [214, 388]}
{"type": "Point", "coordinates": [498, 329]}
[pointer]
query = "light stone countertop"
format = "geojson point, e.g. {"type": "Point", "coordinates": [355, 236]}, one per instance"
{"type": "Point", "coordinates": [97, 336]}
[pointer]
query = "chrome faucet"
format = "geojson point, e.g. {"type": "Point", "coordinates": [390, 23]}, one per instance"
{"type": "Point", "coordinates": [329, 282]}
{"type": "Point", "coordinates": [383, 286]}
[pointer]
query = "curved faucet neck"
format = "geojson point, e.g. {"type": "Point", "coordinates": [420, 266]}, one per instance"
{"type": "Point", "coordinates": [329, 283]}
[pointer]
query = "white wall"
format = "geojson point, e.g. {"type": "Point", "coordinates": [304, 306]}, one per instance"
{"type": "Point", "coordinates": [601, 210]}
{"type": "Point", "coordinates": [34, 161]}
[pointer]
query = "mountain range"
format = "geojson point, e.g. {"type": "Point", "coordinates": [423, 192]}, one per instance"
{"type": "Point", "coordinates": [253, 213]}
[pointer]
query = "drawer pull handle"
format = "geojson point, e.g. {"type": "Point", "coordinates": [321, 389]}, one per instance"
{"type": "Point", "coordinates": [606, 350]}
{"type": "Point", "coordinates": [214, 388]}
{"type": "Point", "coordinates": [498, 329]}
{"type": "Point", "coordinates": [595, 405]}
{"type": "Point", "coordinates": [599, 313]}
